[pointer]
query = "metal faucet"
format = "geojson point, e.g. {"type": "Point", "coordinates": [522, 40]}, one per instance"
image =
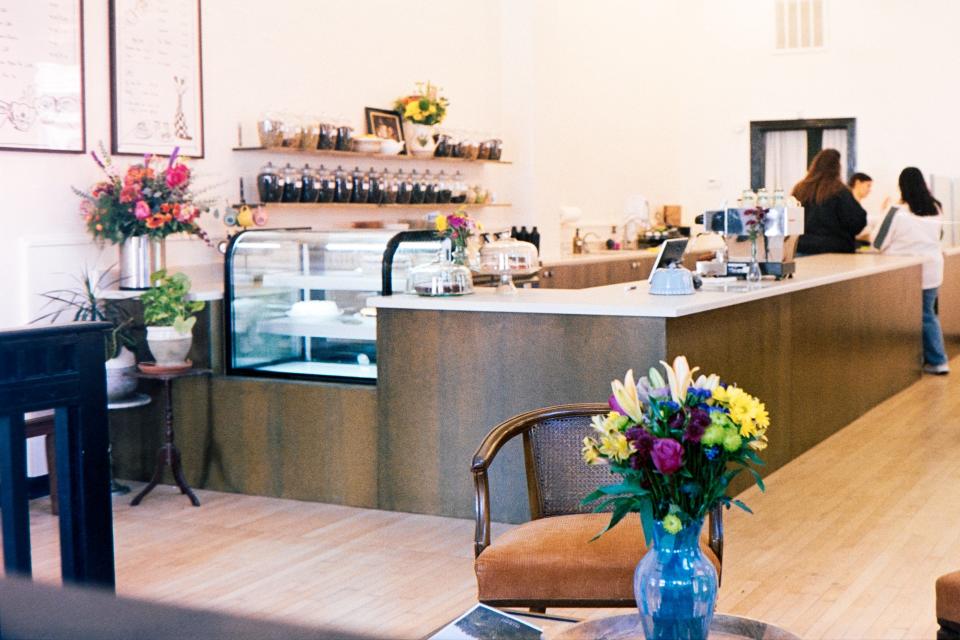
{"type": "Point", "coordinates": [583, 239]}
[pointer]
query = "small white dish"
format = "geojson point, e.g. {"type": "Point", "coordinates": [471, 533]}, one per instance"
{"type": "Point", "coordinates": [314, 309]}
{"type": "Point", "coordinates": [390, 147]}
{"type": "Point", "coordinates": [367, 145]}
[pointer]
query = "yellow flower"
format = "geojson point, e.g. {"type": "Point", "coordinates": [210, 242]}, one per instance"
{"type": "Point", "coordinates": [672, 524]}
{"type": "Point", "coordinates": [719, 394]}
{"type": "Point", "coordinates": [626, 394]}
{"type": "Point", "coordinates": [616, 446]}
{"type": "Point", "coordinates": [412, 110]}
{"type": "Point", "coordinates": [611, 423]}
{"type": "Point", "coordinates": [590, 453]}
{"type": "Point", "coordinates": [441, 223]}
{"type": "Point", "coordinates": [759, 444]}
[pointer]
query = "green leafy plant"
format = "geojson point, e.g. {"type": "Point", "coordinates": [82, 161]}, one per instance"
{"type": "Point", "coordinates": [84, 303]}
{"type": "Point", "coordinates": [166, 304]}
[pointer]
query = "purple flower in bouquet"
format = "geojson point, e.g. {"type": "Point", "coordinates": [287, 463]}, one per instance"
{"type": "Point", "coordinates": [677, 419]}
{"type": "Point", "coordinates": [615, 406]}
{"type": "Point", "coordinates": [699, 420]}
{"type": "Point", "coordinates": [642, 440]}
{"type": "Point", "coordinates": [667, 455]}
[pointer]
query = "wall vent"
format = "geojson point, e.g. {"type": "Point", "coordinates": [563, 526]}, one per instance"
{"type": "Point", "coordinates": [799, 24]}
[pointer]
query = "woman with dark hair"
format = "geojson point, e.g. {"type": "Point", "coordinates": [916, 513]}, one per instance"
{"type": "Point", "coordinates": [832, 217]}
{"type": "Point", "coordinates": [913, 228]}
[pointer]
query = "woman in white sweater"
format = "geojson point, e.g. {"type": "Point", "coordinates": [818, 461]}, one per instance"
{"type": "Point", "coordinates": [914, 229]}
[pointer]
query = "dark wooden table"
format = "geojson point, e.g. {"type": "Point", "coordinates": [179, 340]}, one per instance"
{"type": "Point", "coordinates": [169, 454]}
{"type": "Point", "coordinates": [627, 627]}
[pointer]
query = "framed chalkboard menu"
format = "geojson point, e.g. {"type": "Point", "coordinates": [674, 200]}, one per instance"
{"type": "Point", "coordinates": [156, 77]}
{"type": "Point", "coordinates": [41, 75]}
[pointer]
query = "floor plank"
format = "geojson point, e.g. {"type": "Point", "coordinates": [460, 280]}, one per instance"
{"type": "Point", "coordinates": [846, 542]}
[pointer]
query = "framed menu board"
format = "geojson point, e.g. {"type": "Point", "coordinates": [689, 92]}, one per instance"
{"type": "Point", "coordinates": [156, 77]}
{"type": "Point", "coordinates": [41, 75]}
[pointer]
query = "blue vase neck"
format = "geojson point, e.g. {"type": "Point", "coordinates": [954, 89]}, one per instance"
{"type": "Point", "coordinates": [685, 540]}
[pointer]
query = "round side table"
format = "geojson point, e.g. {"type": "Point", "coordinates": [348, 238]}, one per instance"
{"type": "Point", "coordinates": [132, 401]}
{"type": "Point", "coordinates": [627, 627]}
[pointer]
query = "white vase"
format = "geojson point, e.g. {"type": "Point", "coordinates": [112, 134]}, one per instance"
{"type": "Point", "coordinates": [168, 346]}
{"type": "Point", "coordinates": [120, 382]}
{"type": "Point", "coordinates": [419, 138]}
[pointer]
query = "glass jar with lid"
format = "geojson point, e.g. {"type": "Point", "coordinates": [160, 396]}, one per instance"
{"type": "Point", "coordinates": [429, 188]}
{"type": "Point", "coordinates": [375, 193]}
{"type": "Point", "coordinates": [270, 130]}
{"type": "Point", "coordinates": [458, 189]}
{"type": "Point", "coordinates": [309, 185]}
{"type": "Point", "coordinates": [291, 184]}
{"type": "Point", "coordinates": [404, 188]}
{"type": "Point", "coordinates": [344, 136]}
{"type": "Point", "coordinates": [443, 189]}
{"type": "Point", "coordinates": [343, 186]}
{"type": "Point", "coordinates": [496, 146]}
{"type": "Point", "coordinates": [292, 131]}
{"type": "Point", "coordinates": [328, 134]}
{"type": "Point", "coordinates": [269, 183]}
{"type": "Point", "coordinates": [328, 185]}
{"type": "Point", "coordinates": [388, 187]}
{"type": "Point", "coordinates": [508, 257]}
{"type": "Point", "coordinates": [361, 186]}
{"type": "Point", "coordinates": [416, 188]}
{"type": "Point", "coordinates": [311, 132]}
{"type": "Point", "coordinates": [483, 150]}
{"type": "Point", "coordinates": [442, 149]}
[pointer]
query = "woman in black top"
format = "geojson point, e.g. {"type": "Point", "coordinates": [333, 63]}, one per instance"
{"type": "Point", "coordinates": [832, 217]}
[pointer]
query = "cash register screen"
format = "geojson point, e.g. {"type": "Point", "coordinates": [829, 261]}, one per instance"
{"type": "Point", "coordinates": [670, 251]}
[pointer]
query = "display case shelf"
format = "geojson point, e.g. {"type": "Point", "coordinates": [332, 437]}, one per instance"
{"type": "Point", "coordinates": [350, 327]}
{"type": "Point", "coordinates": [335, 280]}
{"type": "Point", "coordinates": [373, 156]}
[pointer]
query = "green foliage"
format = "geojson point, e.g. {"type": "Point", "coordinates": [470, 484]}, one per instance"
{"type": "Point", "coordinates": [84, 305]}
{"type": "Point", "coordinates": [166, 304]}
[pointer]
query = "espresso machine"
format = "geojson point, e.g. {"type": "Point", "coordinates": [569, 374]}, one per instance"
{"type": "Point", "coordinates": [776, 246]}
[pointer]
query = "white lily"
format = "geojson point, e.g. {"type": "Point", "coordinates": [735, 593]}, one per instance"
{"type": "Point", "coordinates": [679, 377]}
{"type": "Point", "coordinates": [709, 382]}
{"type": "Point", "coordinates": [626, 394]}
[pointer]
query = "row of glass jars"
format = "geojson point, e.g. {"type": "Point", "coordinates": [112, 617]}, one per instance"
{"type": "Point", "coordinates": [304, 132]}
{"type": "Point", "coordinates": [467, 148]}
{"type": "Point", "coordinates": [309, 185]}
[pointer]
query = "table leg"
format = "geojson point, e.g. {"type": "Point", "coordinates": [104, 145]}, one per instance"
{"type": "Point", "coordinates": [180, 480]}
{"type": "Point", "coordinates": [155, 480]}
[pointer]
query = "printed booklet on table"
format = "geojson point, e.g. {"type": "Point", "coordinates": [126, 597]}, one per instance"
{"type": "Point", "coordinates": [486, 623]}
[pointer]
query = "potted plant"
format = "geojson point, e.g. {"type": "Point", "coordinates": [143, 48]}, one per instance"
{"type": "Point", "coordinates": [421, 112]}
{"type": "Point", "coordinates": [168, 315]}
{"type": "Point", "coordinates": [138, 208]}
{"type": "Point", "coordinates": [85, 304]}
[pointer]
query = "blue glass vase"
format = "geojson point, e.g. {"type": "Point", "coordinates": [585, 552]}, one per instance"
{"type": "Point", "coordinates": [675, 586]}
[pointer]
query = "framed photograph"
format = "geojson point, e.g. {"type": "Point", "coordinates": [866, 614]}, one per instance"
{"type": "Point", "coordinates": [384, 123]}
{"type": "Point", "coordinates": [41, 76]}
{"type": "Point", "coordinates": [156, 77]}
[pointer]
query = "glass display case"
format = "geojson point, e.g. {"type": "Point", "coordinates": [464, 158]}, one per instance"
{"type": "Point", "coordinates": [296, 300]}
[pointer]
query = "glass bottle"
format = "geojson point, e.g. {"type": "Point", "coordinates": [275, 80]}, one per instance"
{"type": "Point", "coordinates": [328, 185]}
{"type": "Point", "coordinates": [416, 188]}
{"type": "Point", "coordinates": [763, 199]}
{"type": "Point", "coordinates": [291, 184]}
{"type": "Point", "coordinates": [429, 189]}
{"type": "Point", "coordinates": [443, 146]}
{"type": "Point", "coordinates": [344, 137]}
{"type": "Point", "coordinates": [361, 187]}
{"type": "Point", "coordinates": [753, 274]}
{"type": "Point", "coordinates": [404, 188]}
{"type": "Point", "coordinates": [458, 190]}
{"type": "Point", "coordinates": [328, 136]}
{"type": "Point", "coordinates": [309, 185]}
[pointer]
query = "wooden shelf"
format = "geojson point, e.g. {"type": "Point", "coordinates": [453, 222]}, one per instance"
{"type": "Point", "coordinates": [357, 155]}
{"type": "Point", "coordinates": [389, 207]}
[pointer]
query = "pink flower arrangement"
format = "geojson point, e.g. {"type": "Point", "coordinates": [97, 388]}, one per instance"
{"type": "Point", "coordinates": [152, 198]}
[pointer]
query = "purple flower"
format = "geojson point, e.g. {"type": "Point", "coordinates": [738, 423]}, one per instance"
{"type": "Point", "coordinates": [642, 441]}
{"type": "Point", "coordinates": [667, 455]}
{"type": "Point", "coordinates": [93, 154]}
{"type": "Point", "coordinates": [699, 420]}
{"type": "Point", "coordinates": [615, 406]}
{"type": "Point", "coordinates": [173, 157]}
{"type": "Point", "coordinates": [676, 420]}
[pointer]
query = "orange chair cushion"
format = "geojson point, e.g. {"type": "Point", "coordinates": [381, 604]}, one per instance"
{"type": "Point", "coordinates": [948, 597]}
{"type": "Point", "coordinates": [553, 559]}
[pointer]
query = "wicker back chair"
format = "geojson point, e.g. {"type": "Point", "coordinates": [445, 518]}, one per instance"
{"type": "Point", "coordinates": [557, 481]}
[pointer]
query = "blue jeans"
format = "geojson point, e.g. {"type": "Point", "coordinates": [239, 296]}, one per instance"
{"type": "Point", "coordinates": [933, 349]}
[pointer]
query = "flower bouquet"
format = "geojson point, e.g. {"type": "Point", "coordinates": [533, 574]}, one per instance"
{"type": "Point", "coordinates": [423, 107]}
{"type": "Point", "coordinates": [677, 443]}
{"type": "Point", "coordinates": [459, 227]}
{"type": "Point", "coordinates": [151, 198]}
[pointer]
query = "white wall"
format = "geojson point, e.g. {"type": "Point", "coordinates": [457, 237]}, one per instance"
{"type": "Point", "coordinates": [656, 97]}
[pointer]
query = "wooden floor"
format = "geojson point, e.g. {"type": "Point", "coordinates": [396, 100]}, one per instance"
{"type": "Point", "coordinates": [846, 543]}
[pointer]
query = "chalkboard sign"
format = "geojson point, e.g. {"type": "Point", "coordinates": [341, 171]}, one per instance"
{"type": "Point", "coordinates": [156, 77]}
{"type": "Point", "coordinates": [41, 75]}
